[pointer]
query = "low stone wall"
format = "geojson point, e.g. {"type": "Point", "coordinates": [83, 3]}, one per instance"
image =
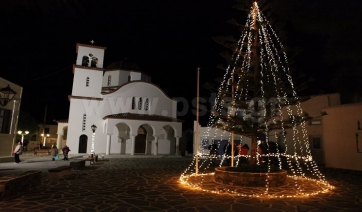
{"type": "Point", "coordinates": [59, 172]}
{"type": "Point", "coordinates": [13, 184]}
{"type": "Point", "coordinates": [77, 164]}
{"type": "Point", "coordinates": [7, 159]}
{"type": "Point", "coordinates": [275, 179]}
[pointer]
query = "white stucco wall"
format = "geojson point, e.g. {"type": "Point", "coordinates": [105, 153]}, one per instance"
{"type": "Point", "coordinates": [79, 83]}
{"type": "Point", "coordinates": [314, 106]}
{"type": "Point", "coordinates": [76, 112]}
{"type": "Point", "coordinates": [120, 101]}
{"type": "Point", "coordinates": [96, 110]}
{"type": "Point", "coordinates": [340, 128]}
{"type": "Point", "coordinates": [121, 142]}
{"type": "Point", "coordinates": [120, 77]}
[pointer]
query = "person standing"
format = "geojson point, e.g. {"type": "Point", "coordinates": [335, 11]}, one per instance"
{"type": "Point", "coordinates": [54, 152]}
{"type": "Point", "coordinates": [17, 152]}
{"type": "Point", "coordinates": [65, 150]}
{"type": "Point", "coordinates": [244, 152]}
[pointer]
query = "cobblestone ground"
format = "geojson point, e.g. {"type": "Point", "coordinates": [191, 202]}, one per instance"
{"type": "Point", "coordinates": [152, 184]}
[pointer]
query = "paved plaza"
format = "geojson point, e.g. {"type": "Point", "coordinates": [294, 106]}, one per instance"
{"type": "Point", "coordinates": [152, 184]}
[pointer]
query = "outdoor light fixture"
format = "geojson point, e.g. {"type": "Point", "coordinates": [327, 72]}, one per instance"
{"type": "Point", "coordinates": [6, 95]}
{"type": "Point", "coordinates": [47, 135]}
{"type": "Point", "coordinates": [22, 135]}
{"type": "Point", "coordinates": [93, 127]}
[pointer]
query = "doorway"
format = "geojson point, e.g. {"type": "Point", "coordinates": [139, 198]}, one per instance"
{"type": "Point", "coordinates": [83, 140]}
{"type": "Point", "coordinates": [140, 141]}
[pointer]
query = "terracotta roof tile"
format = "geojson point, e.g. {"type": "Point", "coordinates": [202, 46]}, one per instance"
{"type": "Point", "coordinates": [62, 121]}
{"type": "Point", "coordinates": [133, 116]}
{"type": "Point", "coordinates": [84, 97]}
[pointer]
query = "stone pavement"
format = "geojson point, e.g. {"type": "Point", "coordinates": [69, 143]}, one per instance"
{"type": "Point", "coordinates": [152, 184]}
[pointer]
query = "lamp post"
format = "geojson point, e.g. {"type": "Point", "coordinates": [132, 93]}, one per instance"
{"type": "Point", "coordinates": [45, 137]}
{"type": "Point", "coordinates": [6, 95]}
{"type": "Point", "coordinates": [93, 127]}
{"type": "Point", "coordinates": [22, 136]}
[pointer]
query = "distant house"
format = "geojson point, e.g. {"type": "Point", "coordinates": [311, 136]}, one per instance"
{"type": "Point", "coordinates": [342, 133]}
{"type": "Point", "coordinates": [131, 114]}
{"type": "Point", "coordinates": [46, 136]}
{"type": "Point", "coordinates": [334, 134]}
{"type": "Point", "coordinates": [10, 99]}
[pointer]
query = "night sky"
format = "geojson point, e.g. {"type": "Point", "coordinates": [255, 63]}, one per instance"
{"type": "Point", "coordinates": [169, 40]}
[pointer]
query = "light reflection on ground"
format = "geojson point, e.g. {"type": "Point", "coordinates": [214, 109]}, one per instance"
{"type": "Point", "coordinates": [301, 187]}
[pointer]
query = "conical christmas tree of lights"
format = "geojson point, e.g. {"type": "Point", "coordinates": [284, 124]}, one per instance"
{"type": "Point", "coordinates": [255, 99]}
{"type": "Point", "coordinates": [257, 94]}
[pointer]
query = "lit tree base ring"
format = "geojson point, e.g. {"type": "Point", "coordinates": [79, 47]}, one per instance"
{"type": "Point", "coordinates": [294, 187]}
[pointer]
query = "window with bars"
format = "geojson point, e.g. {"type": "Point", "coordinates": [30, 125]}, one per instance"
{"type": "Point", "coordinates": [109, 80]}
{"type": "Point", "coordinates": [140, 104]}
{"type": "Point", "coordinates": [133, 103]}
{"type": "Point", "coordinates": [5, 121]}
{"type": "Point", "coordinates": [84, 122]}
{"type": "Point", "coordinates": [147, 104]}
{"type": "Point", "coordinates": [87, 82]}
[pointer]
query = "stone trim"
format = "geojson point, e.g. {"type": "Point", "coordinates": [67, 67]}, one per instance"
{"type": "Point", "coordinates": [275, 179]}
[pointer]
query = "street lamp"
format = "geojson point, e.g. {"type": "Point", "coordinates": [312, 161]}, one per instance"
{"type": "Point", "coordinates": [45, 137]}
{"type": "Point", "coordinates": [93, 127]}
{"type": "Point", "coordinates": [6, 95]}
{"type": "Point", "coordinates": [22, 135]}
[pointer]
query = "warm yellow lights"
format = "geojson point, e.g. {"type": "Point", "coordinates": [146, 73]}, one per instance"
{"type": "Point", "coordinates": [312, 187]}
{"type": "Point", "coordinates": [304, 177]}
{"type": "Point", "coordinates": [22, 135]}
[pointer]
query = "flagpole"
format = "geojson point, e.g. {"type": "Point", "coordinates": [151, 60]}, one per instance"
{"type": "Point", "coordinates": [197, 122]}
{"type": "Point", "coordinates": [232, 114]}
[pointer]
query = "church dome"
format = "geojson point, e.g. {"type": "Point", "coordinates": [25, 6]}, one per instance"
{"type": "Point", "coordinates": [125, 64]}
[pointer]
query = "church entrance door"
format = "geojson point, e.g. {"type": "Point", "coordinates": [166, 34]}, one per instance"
{"type": "Point", "coordinates": [83, 140]}
{"type": "Point", "coordinates": [140, 145]}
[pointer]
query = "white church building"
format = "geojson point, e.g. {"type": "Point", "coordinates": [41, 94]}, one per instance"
{"type": "Point", "coordinates": [131, 114]}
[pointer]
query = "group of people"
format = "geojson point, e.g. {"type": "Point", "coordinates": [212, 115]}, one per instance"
{"type": "Point", "coordinates": [239, 150]}
{"type": "Point", "coordinates": [53, 152]}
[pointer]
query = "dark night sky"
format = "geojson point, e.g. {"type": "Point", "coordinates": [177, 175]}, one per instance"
{"type": "Point", "coordinates": [168, 40]}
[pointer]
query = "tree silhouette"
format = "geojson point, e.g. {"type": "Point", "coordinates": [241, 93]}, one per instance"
{"type": "Point", "coordinates": [28, 123]}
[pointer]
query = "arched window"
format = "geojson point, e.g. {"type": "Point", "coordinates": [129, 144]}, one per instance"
{"type": "Point", "coordinates": [133, 103]}
{"type": "Point", "coordinates": [147, 105]}
{"type": "Point", "coordinates": [87, 82]}
{"type": "Point", "coordinates": [84, 121]}
{"type": "Point", "coordinates": [140, 104]}
{"type": "Point", "coordinates": [85, 60]}
{"type": "Point", "coordinates": [109, 80]}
